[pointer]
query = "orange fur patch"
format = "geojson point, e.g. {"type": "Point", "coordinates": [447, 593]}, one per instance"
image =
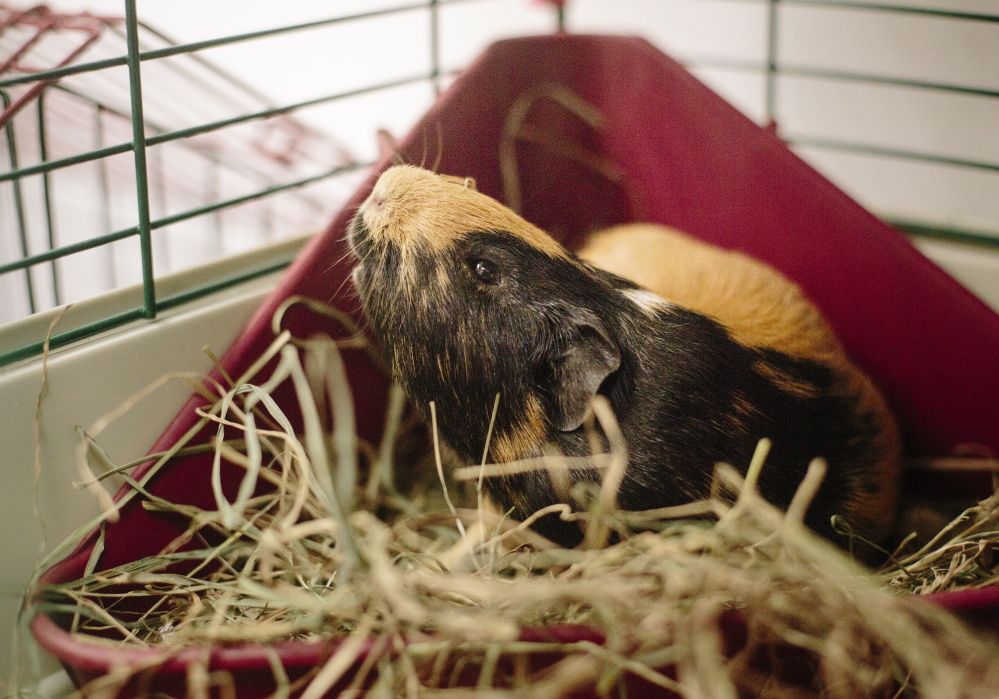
{"type": "Point", "coordinates": [758, 305]}
{"type": "Point", "coordinates": [785, 381]}
{"type": "Point", "coordinates": [526, 436]}
{"type": "Point", "coordinates": [418, 209]}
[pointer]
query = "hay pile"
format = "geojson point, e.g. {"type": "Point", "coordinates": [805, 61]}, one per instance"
{"type": "Point", "coordinates": [724, 598]}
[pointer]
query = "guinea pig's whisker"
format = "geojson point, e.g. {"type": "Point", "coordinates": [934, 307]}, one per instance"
{"type": "Point", "coordinates": [346, 283]}
{"type": "Point", "coordinates": [440, 148]}
{"type": "Point", "coordinates": [423, 156]}
{"type": "Point", "coordinates": [334, 263]}
{"type": "Point", "coordinates": [340, 260]}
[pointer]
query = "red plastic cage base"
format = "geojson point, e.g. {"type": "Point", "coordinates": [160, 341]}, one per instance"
{"type": "Point", "coordinates": [685, 158]}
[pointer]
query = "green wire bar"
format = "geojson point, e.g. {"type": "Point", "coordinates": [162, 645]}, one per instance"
{"type": "Point", "coordinates": [180, 134]}
{"type": "Point", "coordinates": [868, 149]}
{"type": "Point", "coordinates": [175, 218]}
{"type": "Point", "coordinates": [22, 226]}
{"type": "Point", "coordinates": [47, 197]}
{"type": "Point", "coordinates": [36, 348]}
{"type": "Point", "coordinates": [116, 321]}
{"type": "Point", "coordinates": [139, 153]}
{"type": "Point", "coordinates": [953, 235]}
{"type": "Point", "coordinates": [882, 7]}
{"type": "Point", "coordinates": [898, 9]}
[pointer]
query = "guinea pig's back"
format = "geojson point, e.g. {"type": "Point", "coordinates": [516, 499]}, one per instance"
{"type": "Point", "coordinates": [758, 305]}
{"type": "Point", "coordinates": [761, 308]}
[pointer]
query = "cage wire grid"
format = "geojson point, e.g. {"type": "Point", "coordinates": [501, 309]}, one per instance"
{"type": "Point", "coordinates": [143, 137]}
{"type": "Point", "coordinates": [40, 87]}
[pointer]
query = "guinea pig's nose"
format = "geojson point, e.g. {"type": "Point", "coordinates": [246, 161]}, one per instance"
{"type": "Point", "coordinates": [374, 202]}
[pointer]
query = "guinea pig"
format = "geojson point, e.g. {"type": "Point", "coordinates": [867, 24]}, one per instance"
{"type": "Point", "coordinates": [700, 351]}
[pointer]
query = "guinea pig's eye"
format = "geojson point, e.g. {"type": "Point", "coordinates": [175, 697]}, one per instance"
{"type": "Point", "coordinates": [486, 271]}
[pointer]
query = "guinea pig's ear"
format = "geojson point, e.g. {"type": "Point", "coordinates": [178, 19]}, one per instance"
{"type": "Point", "coordinates": [588, 359]}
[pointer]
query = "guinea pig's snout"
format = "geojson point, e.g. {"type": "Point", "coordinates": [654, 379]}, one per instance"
{"type": "Point", "coordinates": [375, 201]}
{"type": "Point", "coordinates": [372, 206]}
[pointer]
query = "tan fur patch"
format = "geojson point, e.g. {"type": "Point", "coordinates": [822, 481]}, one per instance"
{"type": "Point", "coordinates": [758, 305]}
{"type": "Point", "coordinates": [418, 209]}
{"type": "Point", "coordinates": [742, 407]}
{"type": "Point", "coordinates": [526, 436]}
{"type": "Point", "coordinates": [785, 381]}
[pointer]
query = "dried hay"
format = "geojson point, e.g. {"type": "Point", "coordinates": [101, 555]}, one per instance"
{"type": "Point", "coordinates": [428, 597]}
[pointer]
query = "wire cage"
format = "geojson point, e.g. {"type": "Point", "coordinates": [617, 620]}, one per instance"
{"type": "Point", "coordinates": [114, 179]}
{"type": "Point", "coordinates": [111, 181]}
{"type": "Point", "coordinates": [94, 169]}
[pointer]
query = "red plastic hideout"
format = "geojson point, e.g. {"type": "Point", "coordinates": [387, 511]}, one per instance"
{"type": "Point", "coordinates": [673, 152]}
